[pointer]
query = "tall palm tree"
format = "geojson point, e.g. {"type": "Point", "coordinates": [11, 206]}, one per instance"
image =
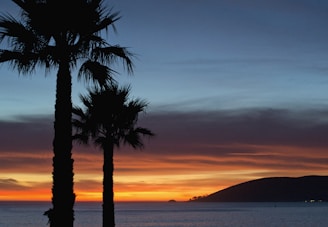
{"type": "Point", "coordinates": [60, 34]}
{"type": "Point", "coordinates": [109, 119]}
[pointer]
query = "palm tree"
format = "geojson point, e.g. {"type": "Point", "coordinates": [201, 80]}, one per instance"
{"type": "Point", "coordinates": [109, 119]}
{"type": "Point", "coordinates": [58, 34]}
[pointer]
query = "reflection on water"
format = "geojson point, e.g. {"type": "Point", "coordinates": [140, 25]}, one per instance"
{"type": "Point", "coordinates": [180, 214]}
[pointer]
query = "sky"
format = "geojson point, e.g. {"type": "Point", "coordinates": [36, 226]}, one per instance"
{"type": "Point", "coordinates": [237, 90]}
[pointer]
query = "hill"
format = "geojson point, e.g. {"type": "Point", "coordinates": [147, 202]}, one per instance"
{"type": "Point", "coordinates": [274, 189]}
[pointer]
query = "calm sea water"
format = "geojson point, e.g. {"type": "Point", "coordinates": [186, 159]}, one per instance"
{"type": "Point", "coordinates": [180, 214]}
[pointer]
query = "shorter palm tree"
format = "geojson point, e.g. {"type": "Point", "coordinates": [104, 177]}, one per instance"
{"type": "Point", "coordinates": [109, 119]}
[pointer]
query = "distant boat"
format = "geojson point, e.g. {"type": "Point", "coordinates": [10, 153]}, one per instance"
{"type": "Point", "coordinates": [171, 201]}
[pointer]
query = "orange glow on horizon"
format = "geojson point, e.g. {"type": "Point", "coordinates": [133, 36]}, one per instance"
{"type": "Point", "coordinates": [155, 177]}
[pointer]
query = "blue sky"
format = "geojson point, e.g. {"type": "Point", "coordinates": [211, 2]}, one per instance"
{"type": "Point", "coordinates": [228, 54]}
{"type": "Point", "coordinates": [206, 54]}
{"type": "Point", "coordinates": [237, 90]}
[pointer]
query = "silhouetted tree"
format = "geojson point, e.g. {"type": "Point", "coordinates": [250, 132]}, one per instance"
{"type": "Point", "coordinates": [58, 34]}
{"type": "Point", "coordinates": [109, 119]}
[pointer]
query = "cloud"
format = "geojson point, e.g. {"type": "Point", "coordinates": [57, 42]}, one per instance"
{"type": "Point", "coordinates": [89, 185]}
{"type": "Point", "coordinates": [217, 148]}
{"type": "Point", "coordinates": [249, 126]}
{"type": "Point", "coordinates": [259, 140]}
{"type": "Point", "coordinates": [26, 134]}
{"type": "Point", "coordinates": [243, 138]}
{"type": "Point", "coordinates": [11, 184]}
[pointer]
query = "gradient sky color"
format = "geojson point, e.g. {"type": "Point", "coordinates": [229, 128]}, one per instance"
{"type": "Point", "coordinates": [237, 90]}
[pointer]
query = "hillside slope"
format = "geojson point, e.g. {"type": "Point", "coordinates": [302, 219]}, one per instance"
{"type": "Point", "coordinates": [275, 189]}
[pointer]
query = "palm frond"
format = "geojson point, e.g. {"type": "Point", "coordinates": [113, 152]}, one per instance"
{"type": "Point", "coordinates": [113, 54]}
{"type": "Point", "coordinates": [108, 20]}
{"type": "Point", "coordinates": [97, 73]}
{"type": "Point", "coordinates": [144, 131]}
{"type": "Point", "coordinates": [109, 117]}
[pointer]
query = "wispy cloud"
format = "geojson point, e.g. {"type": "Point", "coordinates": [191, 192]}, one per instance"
{"type": "Point", "coordinates": [206, 133]}
{"type": "Point", "coordinates": [222, 147]}
{"type": "Point", "coordinates": [12, 184]}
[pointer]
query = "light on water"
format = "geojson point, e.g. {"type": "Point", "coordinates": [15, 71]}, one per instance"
{"type": "Point", "coordinates": [180, 214]}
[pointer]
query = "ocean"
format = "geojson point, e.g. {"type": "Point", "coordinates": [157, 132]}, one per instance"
{"type": "Point", "coordinates": [175, 214]}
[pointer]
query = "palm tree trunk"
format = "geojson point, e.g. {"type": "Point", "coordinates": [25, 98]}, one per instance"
{"type": "Point", "coordinates": [108, 184]}
{"type": "Point", "coordinates": [63, 196]}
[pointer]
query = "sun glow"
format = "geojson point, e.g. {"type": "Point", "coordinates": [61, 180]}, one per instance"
{"type": "Point", "coordinates": [153, 177]}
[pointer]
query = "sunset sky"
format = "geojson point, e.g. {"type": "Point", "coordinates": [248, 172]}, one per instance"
{"type": "Point", "coordinates": [237, 90]}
